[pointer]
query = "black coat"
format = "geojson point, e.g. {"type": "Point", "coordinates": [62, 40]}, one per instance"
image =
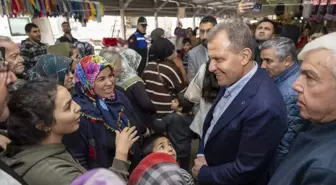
{"type": "Point", "coordinates": [141, 103]}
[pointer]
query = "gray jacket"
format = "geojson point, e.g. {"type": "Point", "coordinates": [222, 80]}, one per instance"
{"type": "Point", "coordinates": [196, 57]}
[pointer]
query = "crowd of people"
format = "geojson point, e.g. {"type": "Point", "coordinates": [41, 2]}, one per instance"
{"type": "Point", "coordinates": [261, 103]}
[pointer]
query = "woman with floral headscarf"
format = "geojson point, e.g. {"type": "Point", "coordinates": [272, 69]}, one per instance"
{"type": "Point", "coordinates": [104, 111]}
{"type": "Point", "coordinates": [56, 67]}
{"type": "Point", "coordinates": [134, 87]}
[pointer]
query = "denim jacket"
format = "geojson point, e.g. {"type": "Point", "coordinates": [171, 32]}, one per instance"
{"type": "Point", "coordinates": [296, 123]}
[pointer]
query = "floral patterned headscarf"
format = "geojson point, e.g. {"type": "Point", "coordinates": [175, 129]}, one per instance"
{"type": "Point", "coordinates": [87, 71]}
{"type": "Point", "coordinates": [130, 63]}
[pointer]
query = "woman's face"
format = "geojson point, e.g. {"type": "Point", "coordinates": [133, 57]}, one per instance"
{"type": "Point", "coordinates": [118, 69]}
{"type": "Point", "coordinates": [66, 113]}
{"type": "Point", "coordinates": [69, 80]}
{"type": "Point", "coordinates": [104, 83]}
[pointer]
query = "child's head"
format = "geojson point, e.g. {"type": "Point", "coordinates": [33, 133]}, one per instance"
{"type": "Point", "coordinates": [186, 44]}
{"type": "Point", "coordinates": [181, 104]}
{"type": "Point", "coordinates": [158, 143]}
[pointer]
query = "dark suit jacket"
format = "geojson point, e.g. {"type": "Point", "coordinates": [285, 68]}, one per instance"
{"type": "Point", "coordinates": [242, 145]}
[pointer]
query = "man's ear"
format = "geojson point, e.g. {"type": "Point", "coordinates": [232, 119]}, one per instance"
{"type": "Point", "coordinates": [288, 61]}
{"type": "Point", "coordinates": [246, 55]}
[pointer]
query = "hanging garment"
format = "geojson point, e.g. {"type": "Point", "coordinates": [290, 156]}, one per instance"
{"type": "Point", "coordinates": [47, 6]}
{"type": "Point", "coordinates": [93, 11]}
{"type": "Point", "coordinates": [1, 8]}
{"type": "Point", "coordinates": [43, 9]}
{"type": "Point", "coordinates": [85, 17]}
{"type": "Point", "coordinates": [23, 7]}
{"type": "Point", "coordinates": [9, 7]}
{"type": "Point", "coordinates": [52, 7]}
{"type": "Point", "coordinates": [99, 14]}
{"type": "Point", "coordinates": [16, 8]}
{"type": "Point", "coordinates": [102, 9]}
{"type": "Point", "coordinates": [88, 10]}
{"type": "Point", "coordinates": [331, 11]}
{"type": "Point", "coordinates": [29, 8]}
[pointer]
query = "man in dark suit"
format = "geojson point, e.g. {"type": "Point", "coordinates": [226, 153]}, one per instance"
{"type": "Point", "coordinates": [246, 124]}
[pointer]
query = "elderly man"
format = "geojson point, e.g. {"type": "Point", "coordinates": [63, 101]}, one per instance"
{"type": "Point", "coordinates": [248, 120]}
{"type": "Point", "coordinates": [7, 175]}
{"type": "Point", "coordinates": [14, 59]}
{"type": "Point", "coordinates": [312, 159]}
{"type": "Point", "coordinates": [199, 55]}
{"type": "Point", "coordinates": [279, 59]}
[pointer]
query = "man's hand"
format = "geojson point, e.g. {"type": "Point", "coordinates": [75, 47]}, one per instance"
{"type": "Point", "coordinates": [199, 162]}
{"type": "Point", "coordinates": [4, 141]}
{"type": "Point", "coordinates": [243, 7]}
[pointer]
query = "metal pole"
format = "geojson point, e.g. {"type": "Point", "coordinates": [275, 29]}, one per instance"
{"type": "Point", "coordinates": [122, 19]}
{"type": "Point", "coordinates": [156, 14]}
{"type": "Point", "coordinates": [156, 20]}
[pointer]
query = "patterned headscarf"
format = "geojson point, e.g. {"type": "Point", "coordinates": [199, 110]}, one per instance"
{"type": "Point", "coordinates": [98, 176]}
{"type": "Point", "coordinates": [157, 169]}
{"type": "Point", "coordinates": [130, 63]}
{"type": "Point", "coordinates": [87, 71]}
{"type": "Point", "coordinates": [51, 66]}
{"type": "Point", "coordinates": [84, 49]}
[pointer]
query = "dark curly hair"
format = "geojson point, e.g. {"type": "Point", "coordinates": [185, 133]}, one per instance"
{"type": "Point", "coordinates": [210, 86]}
{"type": "Point", "coordinates": [32, 104]}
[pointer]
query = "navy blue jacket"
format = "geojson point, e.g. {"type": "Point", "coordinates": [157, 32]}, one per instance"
{"type": "Point", "coordinates": [137, 42]}
{"type": "Point", "coordinates": [242, 145]}
{"type": "Point", "coordinates": [296, 123]}
{"type": "Point", "coordinates": [312, 159]}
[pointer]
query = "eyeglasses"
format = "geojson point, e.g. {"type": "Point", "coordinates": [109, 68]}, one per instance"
{"type": "Point", "coordinates": [3, 65]}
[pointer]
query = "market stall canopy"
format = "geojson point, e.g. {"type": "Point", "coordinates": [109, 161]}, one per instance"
{"type": "Point", "coordinates": [191, 7]}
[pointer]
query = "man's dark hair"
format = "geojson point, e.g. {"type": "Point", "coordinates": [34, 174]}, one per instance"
{"type": "Point", "coordinates": [275, 25]}
{"type": "Point", "coordinates": [29, 27]}
{"type": "Point", "coordinates": [185, 104]}
{"type": "Point", "coordinates": [186, 40]}
{"type": "Point", "coordinates": [148, 145]}
{"type": "Point", "coordinates": [209, 19]}
{"type": "Point", "coordinates": [32, 104]}
{"type": "Point", "coordinates": [65, 23]}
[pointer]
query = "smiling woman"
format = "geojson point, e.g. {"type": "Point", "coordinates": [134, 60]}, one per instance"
{"type": "Point", "coordinates": [105, 110]}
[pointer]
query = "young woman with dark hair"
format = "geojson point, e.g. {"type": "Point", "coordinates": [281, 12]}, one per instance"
{"type": "Point", "coordinates": [205, 87]}
{"type": "Point", "coordinates": [42, 112]}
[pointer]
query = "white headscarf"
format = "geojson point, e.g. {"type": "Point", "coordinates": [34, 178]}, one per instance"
{"type": "Point", "coordinates": [130, 63]}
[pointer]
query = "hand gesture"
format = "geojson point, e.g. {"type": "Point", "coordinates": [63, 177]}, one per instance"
{"type": "Point", "coordinates": [199, 162]}
{"type": "Point", "coordinates": [124, 142]}
{"type": "Point", "coordinates": [243, 7]}
{"type": "Point", "coordinates": [4, 141]}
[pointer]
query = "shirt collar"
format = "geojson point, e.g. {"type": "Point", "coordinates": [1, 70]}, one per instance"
{"type": "Point", "coordinates": [287, 73]}
{"type": "Point", "coordinates": [236, 87]}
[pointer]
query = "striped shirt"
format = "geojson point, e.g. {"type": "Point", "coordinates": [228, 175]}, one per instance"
{"type": "Point", "coordinates": [159, 92]}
